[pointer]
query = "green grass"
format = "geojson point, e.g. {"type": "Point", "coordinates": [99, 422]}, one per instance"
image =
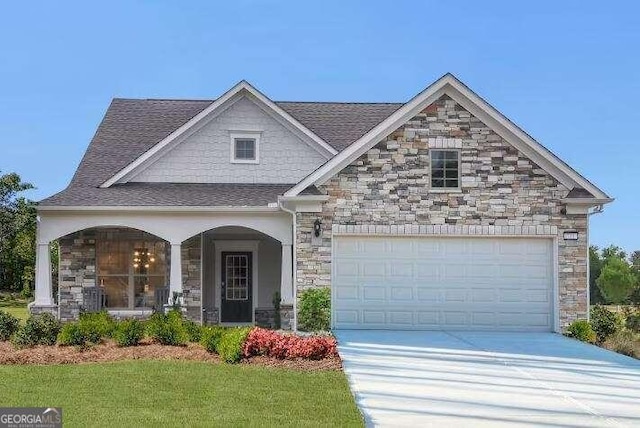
{"type": "Point", "coordinates": [16, 308]}
{"type": "Point", "coordinates": [159, 393]}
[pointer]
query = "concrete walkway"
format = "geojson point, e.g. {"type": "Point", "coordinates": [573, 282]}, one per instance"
{"type": "Point", "coordinates": [403, 378]}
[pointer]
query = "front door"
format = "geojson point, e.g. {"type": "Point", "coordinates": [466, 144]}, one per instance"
{"type": "Point", "coordinates": [237, 278]}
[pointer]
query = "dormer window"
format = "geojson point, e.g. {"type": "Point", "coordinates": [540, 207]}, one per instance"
{"type": "Point", "coordinates": [244, 147]}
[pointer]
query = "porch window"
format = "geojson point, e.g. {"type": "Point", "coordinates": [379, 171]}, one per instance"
{"type": "Point", "coordinates": [129, 270]}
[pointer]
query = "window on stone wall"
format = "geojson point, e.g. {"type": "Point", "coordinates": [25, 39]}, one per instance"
{"type": "Point", "coordinates": [130, 267]}
{"type": "Point", "coordinates": [445, 169]}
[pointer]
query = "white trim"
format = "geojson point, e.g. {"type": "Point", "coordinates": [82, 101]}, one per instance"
{"type": "Point", "coordinates": [202, 244]}
{"type": "Point", "coordinates": [555, 263]}
{"type": "Point", "coordinates": [221, 246]}
{"type": "Point", "coordinates": [245, 135]}
{"type": "Point", "coordinates": [221, 104]}
{"type": "Point", "coordinates": [549, 233]}
{"type": "Point", "coordinates": [161, 208]}
{"type": "Point", "coordinates": [451, 86]}
{"type": "Point", "coordinates": [445, 229]}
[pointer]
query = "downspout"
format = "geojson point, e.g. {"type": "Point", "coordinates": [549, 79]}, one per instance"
{"type": "Point", "coordinates": [596, 210]}
{"type": "Point", "coordinates": [294, 268]}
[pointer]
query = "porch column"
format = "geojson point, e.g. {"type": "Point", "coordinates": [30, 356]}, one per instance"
{"type": "Point", "coordinates": [44, 294]}
{"type": "Point", "coordinates": [175, 278]}
{"type": "Point", "coordinates": [286, 282]}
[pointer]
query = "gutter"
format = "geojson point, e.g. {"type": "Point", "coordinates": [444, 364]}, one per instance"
{"type": "Point", "coordinates": [156, 208]}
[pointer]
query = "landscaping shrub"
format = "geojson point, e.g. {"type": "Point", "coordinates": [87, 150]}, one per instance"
{"type": "Point", "coordinates": [194, 331]}
{"type": "Point", "coordinates": [624, 342]}
{"type": "Point", "coordinates": [314, 312]}
{"type": "Point", "coordinates": [8, 325]}
{"type": "Point", "coordinates": [605, 322]}
{"type": "Point", "coordinates": [97, 324]}
{"type": "Point", "coordinates": [72, 334]}
{"type": "Point", "coordinates": [581, 330]}
{"type": "Point", "coordinates": [231, 345]}
{"type": "Point", "coordinates": [128, 332]}
{"type": "Point", "coordinates": [211, 338]}
{"type": "Point", "coordinates": [40, 329]}
{"type": "Point", "coordinates": [167, 329]}
{"type": "Point", "coordinates": [271, 343]}
{"type": "Point", "coordinates": [633, 322]}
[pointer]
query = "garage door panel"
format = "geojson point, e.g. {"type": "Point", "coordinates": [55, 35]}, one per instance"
{"type": "Point", "coordinates": [435, 283]}
{"type": "Point", "coordinates": [374, 293]}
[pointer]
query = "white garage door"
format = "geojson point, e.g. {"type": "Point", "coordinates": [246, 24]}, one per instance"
{"type": "Point", "coordinates": [442, 283]}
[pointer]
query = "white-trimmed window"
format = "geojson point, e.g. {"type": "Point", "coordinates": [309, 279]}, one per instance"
{"type": "Point", "coordinates": [245, 147]}
{"type": "Point", "coordinates": [445, 169]}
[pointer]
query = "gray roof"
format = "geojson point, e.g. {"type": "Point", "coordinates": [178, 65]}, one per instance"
{"type": "Point", "coordinates": [170, 194]}
{"type": "Point", "coordinates": [130, 127]}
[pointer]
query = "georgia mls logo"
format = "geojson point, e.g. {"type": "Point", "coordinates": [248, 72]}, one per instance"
{"type": "Point", "coordinates": [31, 417]}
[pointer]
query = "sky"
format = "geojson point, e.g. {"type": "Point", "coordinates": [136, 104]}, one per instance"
{"type": "Point", "coordinates": [567, 72]}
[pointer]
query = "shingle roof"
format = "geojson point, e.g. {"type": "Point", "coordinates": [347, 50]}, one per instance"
{"type": "Point", "coordinates": [130, 127]}
{"type": "Point", "coordinates": [170, 194]}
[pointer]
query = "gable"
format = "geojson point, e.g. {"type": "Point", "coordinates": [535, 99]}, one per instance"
{"type": "Point", "coordinates": [205, 155]}
{"type": "Point", "coordinates": [391, 181]}
{"type": "Point", "coordinates": [450, 86]}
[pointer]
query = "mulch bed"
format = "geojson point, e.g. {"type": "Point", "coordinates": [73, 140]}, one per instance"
{"type": "Point", "coordinates": [108, 351]}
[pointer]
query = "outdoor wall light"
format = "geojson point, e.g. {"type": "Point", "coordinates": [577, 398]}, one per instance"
{"type": "Point", "coordinates": [317, 228]}
{"type": "Point", "coordinates": [570, 235]}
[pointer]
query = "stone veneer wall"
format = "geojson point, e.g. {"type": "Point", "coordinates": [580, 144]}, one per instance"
{"type": "Point", "coordinates": [77, 270]}
{"type": "Point", "coordinates": [500, 187]}
{"type": "Point", "coordinates": [191, 278]}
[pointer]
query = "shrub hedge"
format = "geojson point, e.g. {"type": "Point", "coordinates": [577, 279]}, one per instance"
{"type": "Point", "coordinates": [261, 341]}
{"type": "Point", "coordinates": [211, 338]}
{"type": "Point", "coordinates": [167, 329]}
{"type": "Point", "coordinates": [128, 332]}
{"type": "Point", "coordinates": [605, 322]}
{"type": "Point", "coordinates": [581, 330]}
{"type": "Point", "coordinates": [40, 329]}
{"type": "Point", "coordinates": [8, 325]}
{"type": "Point", "coordinates": [314, 312]}
{"type": "Point", "coordinates": [230, 347]}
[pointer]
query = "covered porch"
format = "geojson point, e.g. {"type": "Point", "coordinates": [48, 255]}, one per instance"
{"type": "Point", "coordinates": [221, 267]}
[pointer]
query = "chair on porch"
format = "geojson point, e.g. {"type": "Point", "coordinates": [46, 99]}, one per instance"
{"type": "Point", "coordinates": [161, 297]}
{"type": "Point", "coordinates": [93, 299]}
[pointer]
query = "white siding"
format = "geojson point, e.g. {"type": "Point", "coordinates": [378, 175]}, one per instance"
{"type": "Point", "coordinates": [205, 157]}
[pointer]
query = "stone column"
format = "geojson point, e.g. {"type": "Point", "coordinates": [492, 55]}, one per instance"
{"type": "Point", "coordinates": [175, 278]}
{"type": "Point", "coordinates": [286, 281]}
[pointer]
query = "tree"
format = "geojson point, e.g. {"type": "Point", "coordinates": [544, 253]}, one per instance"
{"type": "Point", "coordinates": [634, 258]}
{"type": "Point", "coordinates": [616, 280]}
{"type": "Point", "coordinates": [595, 267]}
{"type": "Point", "coordinates": [613, 251]}
{"type": "Point", "coordinates": [17, 234]}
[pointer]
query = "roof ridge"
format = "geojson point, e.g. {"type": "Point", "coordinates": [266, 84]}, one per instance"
{"type": "Point", "coordinates": [342, 102]}
{"type": "Point", "coordinates": [275, 101]}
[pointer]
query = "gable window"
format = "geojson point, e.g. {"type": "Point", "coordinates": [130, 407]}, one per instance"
{"type": "Point", "coordinates": [445, 169]}
{"type": "Point", "coordinates": [244, 147]}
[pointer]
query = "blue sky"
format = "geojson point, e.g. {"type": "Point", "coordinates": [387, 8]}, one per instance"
{"type": "Point", "coordinates": [567, 72]}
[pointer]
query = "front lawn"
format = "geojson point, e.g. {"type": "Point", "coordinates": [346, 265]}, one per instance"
{"type": "Point", "coordinates": [171, 393]}
{"type": "Point", "coordinates": [14, 305]}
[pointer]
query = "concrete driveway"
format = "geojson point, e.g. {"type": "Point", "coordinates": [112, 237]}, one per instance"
{"type": "Point", "coordinates": [403, 378]}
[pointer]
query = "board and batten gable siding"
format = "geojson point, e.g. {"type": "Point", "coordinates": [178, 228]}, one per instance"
{"type": "Point", "coordinates": [500, 188]}
{"type": "Point", "coordinates": [205, 156]}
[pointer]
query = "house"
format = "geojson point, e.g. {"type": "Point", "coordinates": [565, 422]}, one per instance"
{"type": "Point", "coordinates": [438, 213]}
